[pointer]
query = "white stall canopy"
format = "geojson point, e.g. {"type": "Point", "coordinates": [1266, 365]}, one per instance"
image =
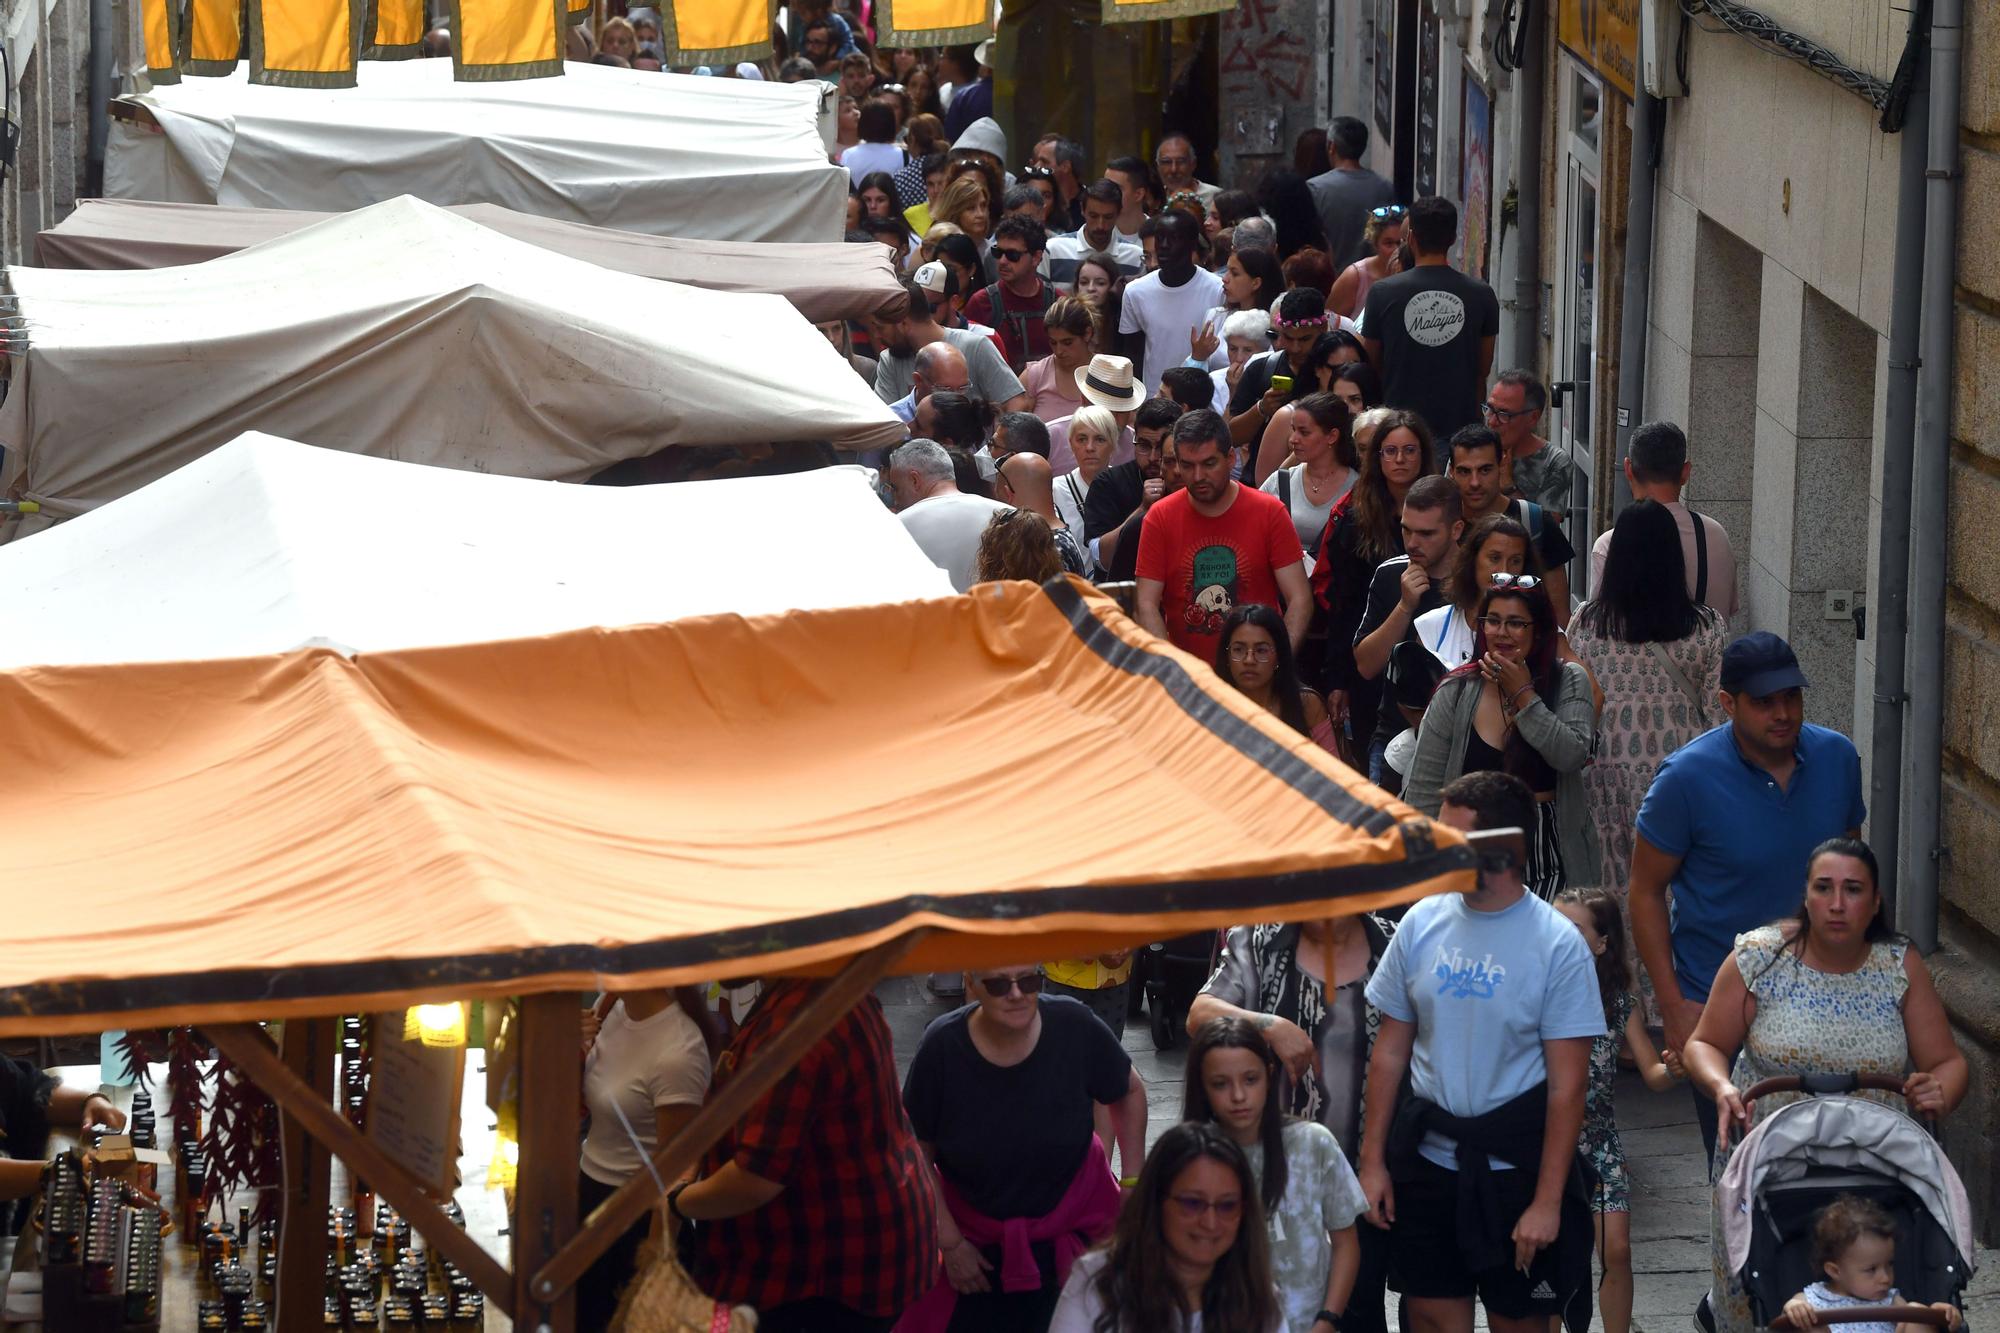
{"type": "Point", "coordinates": [266, 545]}
{"type": "Point", "coordinates": [405, 332]}
{"type": "Point", "coordinates": [669, 155]}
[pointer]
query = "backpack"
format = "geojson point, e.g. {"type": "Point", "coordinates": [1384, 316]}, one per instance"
{"type": "Point", "coordinates": [1002, 315]}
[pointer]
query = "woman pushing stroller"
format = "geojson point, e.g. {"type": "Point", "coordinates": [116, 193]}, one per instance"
{"type": "Point", "coordinates": [1832, 989]}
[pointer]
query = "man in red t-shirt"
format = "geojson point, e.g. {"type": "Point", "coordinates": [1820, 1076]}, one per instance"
{"type": "Point", "coordinates": [1216, 545]}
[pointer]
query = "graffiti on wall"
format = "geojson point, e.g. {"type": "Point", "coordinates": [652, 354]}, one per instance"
{"type": "Point", "coordinates": [1266, 65]}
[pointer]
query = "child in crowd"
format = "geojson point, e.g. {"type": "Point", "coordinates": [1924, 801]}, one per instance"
{"type": "Point", "coordinates": [1854, 1244]}
{"type": "Point", "coordinates": [1310, 1195]}
{"type": "Point", "coordinates": [1595, 913]}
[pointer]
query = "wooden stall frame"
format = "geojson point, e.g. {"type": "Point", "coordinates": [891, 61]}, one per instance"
{"type": "Point", "coordinates": [545, 1201]}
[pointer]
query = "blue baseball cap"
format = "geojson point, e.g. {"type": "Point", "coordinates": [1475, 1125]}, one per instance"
{"type": "Point", "coordinates": [1761, 664]}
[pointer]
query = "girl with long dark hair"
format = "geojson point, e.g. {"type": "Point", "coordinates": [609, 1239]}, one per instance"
{"type": "Point", "coordinates": [1833, 988]}
{"type": "Point", "coordinates": [1496, 544]}
{"type": "Point", "coordinates": [1601, 921]}
{"type": "Point", "coordinates": [1517, 708]}
{"type": "Point", "coordinates": [1322, 464]}
{"type": "Point", "coordinates": [1330, 351]}
{"type": "Point", "coordinates": [1310, 1195]}
{"type": "Point", "coordinates": [1657, 655]}
{"type": "Point", "coordinates": [1365, 529]}
{"type": "Point", "coordinates": [1254, 653]}
{"type": "Point", "coordinates": [1190, 1243]}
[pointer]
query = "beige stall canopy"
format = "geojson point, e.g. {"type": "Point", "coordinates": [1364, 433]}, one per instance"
{"type": "Point", "coordinates": [832, 280]}
{"type": "Point", "coordinates": [1021, 770]}
{"type": "Point", "coordinates": [404, 332]}
{"type": "Point", "coordinates": [666, 154]}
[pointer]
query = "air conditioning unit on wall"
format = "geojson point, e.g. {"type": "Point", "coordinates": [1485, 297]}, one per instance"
{"type": "Point", "coordinates": [1661, 25]}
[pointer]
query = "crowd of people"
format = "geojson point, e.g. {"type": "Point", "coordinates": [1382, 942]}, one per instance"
{"type": "Point", "coordinates": [1273, 418]}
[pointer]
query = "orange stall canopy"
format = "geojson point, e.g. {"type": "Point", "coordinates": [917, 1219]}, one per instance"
{"type": "Point", "coordinates": [1022, 768]}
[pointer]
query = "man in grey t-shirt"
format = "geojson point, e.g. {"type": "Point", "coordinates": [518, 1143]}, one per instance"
{"type": "Point", "coordinates": [897, 340]}
{"type": "Point", "coordinates": [1345, 195]}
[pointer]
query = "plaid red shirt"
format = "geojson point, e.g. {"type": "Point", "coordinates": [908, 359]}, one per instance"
{"type": "Point", "coordinates": [857, 1221]}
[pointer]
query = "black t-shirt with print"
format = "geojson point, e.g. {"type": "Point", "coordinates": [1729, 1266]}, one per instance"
{"type": "Point", "coordinates": [1430, 322]}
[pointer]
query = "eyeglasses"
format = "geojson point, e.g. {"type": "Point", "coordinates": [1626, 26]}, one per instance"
{"type": "Point", "coordinates": [1400, 450]}
{"type": "Point", "coordinates": [1011, 256]}
{"type": "Point", "coordinates": [1512, 624]}
{"type": "Point", "coordinates": [1028, 983]}
{"type": "Point", "coordinates": [1192, 1206]}
{"type": "Point", "coordinates": [1502, 579]}
{"type": "Point", "coordinates": [1388, 211]}
{"type": "Point", "coordinates": [1252, 652]}
{"type": "Point", "coordinates": [1501, 414]}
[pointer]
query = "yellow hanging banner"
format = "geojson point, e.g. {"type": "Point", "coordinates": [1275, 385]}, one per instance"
{"type": "Point", "coordinates": [305, 43]}
{"type": "Point", "coordinates": [395, 29]}
{"type": "Point", "coordinates": [160, 31]}
{"type": "Point", "coordinates": [716, 32]}
{"type": "Point", "coordinates": [933, 22]}
{"type": "Point", "coordinates": [508, 39]}
{"type": "Point", "coordinates": [579, 12]}
{"type": "Point", "coordinates": [1138, 11]}
{"type": "Point", "coordinates": [215, 36]}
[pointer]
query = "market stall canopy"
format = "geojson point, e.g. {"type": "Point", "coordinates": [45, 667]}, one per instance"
{"type": "Point", "coordinates": [663, 154]}
{"type": "Point", "coordinates": [265, 546]}
{"type": "Point", "coordinates": [1022, 767]}
{"type": "Point", "coordinates": [825, 280]}
{"type": "Point", "coordinates": [404, 332]}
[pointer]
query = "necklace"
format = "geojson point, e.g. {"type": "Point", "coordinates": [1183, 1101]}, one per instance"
{"type": "Point", "coordinates": [1316, 486]}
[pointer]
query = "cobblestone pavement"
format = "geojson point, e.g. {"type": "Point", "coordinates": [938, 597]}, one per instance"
{"type": "Point", "coordinates": [1670, 1200]}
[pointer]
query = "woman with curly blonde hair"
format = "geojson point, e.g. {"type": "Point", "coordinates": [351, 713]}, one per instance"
{"type": "Point", "coordinates": [1017, 545]}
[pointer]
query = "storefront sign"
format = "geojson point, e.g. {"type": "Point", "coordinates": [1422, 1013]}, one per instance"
{"type": "Point", "coordinates": [1427, 103]}
{"type": "Point", "coordinates": [1605, 35]}
{"type": "Point", "coordinates": [1385, 68]}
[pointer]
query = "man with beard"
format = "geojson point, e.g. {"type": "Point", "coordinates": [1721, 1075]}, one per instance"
{"type": "Point", "coordinates": [1215, 546]}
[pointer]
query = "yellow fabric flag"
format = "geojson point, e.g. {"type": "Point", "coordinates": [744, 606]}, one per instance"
{"type": "Point", "coordinates": [579, 12]}
{"type": "Point", "coordinates": [1138, 11]}
{"type": "Point", "coordinates": [215, 36]}
{"type": "Point", "coordinates": [934, 22]}
{"type": "Point", "coordinates": [716, 32]}
{"type": "Point", "coordinates": [508, 39]}
{"type": "Point", "coordinates": [160, 31]}
{"type": "Point", "coordinates": [395, 29]}
{"type": "Point", "coordinates": [305, 43]}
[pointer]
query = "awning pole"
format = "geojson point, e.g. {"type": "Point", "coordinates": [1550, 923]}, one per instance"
{"type": "Point", "coordinates": [744, 1089]}
{"type": "Point", "coordinates": [309, 1048]}
{"type": "Point", "coordinates": [251, 1050]}
{"type": "Point", "coordinates": [551, 1085]}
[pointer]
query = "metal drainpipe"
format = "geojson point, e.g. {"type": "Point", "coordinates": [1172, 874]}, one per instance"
{"type": "Point", "coordinates": [99, 85]}
{"type": "Point", "coordinates": [1890, 615]}
{"type": "Point", "coordinates": [1638, 296]}
{"type": "Point", "coordinates": [1521, 334]}
{"type": "Point", "coordinates": [1928, 514]}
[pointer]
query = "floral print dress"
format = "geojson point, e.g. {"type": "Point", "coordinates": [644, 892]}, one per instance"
{"type": "Point", "coordinates": [1808, 1021]}
{"type": "Point", "coordinates": [1599, 1143]}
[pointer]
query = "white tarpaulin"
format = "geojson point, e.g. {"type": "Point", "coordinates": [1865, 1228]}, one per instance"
{"type": "Point", "coordinates": [405, 332]}
{"type": "Point", "coordinates": [266, 545]}
{"type": "Point", "coordinates": [665, 154]}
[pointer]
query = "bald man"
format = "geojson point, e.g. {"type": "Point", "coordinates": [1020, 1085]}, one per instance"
{"type": "Point", "coordinates": [1024, 481]}
{"type": "Point", "coordinates": [937, 366]}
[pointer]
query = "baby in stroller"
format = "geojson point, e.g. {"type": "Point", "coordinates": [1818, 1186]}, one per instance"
{"type": "Point", "coordinates": [1854, 1245]}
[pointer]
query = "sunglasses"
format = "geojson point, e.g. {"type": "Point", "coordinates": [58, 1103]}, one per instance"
{"type": "Point", "coordinates": [1388, 211]}
{"type": "Point", "coordinates": [1502, 579]}
{"type": "Point", "coordinates": [1011, 256]}
{"type": "Point", "coordinates": [1001, 987]}
{"type": "Point", "coordinates": [1192, 1206]}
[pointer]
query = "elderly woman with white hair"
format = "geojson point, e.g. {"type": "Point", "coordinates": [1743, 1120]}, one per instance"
{"type": "Point", "coordinates": [1245, 334]}
{"type": "Point", "coordinates": [1093, 438]}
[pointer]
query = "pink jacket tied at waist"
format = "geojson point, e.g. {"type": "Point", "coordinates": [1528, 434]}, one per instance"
{"type": "Point", "coordinates": [1086, 1213]}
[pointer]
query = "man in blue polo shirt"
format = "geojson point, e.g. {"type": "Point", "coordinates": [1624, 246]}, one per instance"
{"type": "Point", "coordinates": [1729, 825]}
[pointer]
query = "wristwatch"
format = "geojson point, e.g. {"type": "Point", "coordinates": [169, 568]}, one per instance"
{"type": "Point", "coordinates": [1328, 1317]}
{"type": "Point", "coordinates": [674, 1201]}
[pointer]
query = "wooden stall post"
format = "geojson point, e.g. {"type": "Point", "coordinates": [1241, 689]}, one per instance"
{"type": "Point", "coordinates": [551, 1046]}
{"type": "Point", "coordinates": [308, 1050]}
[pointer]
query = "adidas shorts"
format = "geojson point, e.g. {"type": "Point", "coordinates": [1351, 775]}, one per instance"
{"type": "Point", "coordinates": [1426, 1262]}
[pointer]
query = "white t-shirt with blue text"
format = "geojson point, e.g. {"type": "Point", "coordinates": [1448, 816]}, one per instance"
{"type": "Point", "coordinates": [1485, 990]}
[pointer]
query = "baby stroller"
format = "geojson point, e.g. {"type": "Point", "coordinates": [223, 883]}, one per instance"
{"type": "Point", "coordinates": [1804, 1156]}
{"type": "Point", "coordinates": [1168, 976]}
